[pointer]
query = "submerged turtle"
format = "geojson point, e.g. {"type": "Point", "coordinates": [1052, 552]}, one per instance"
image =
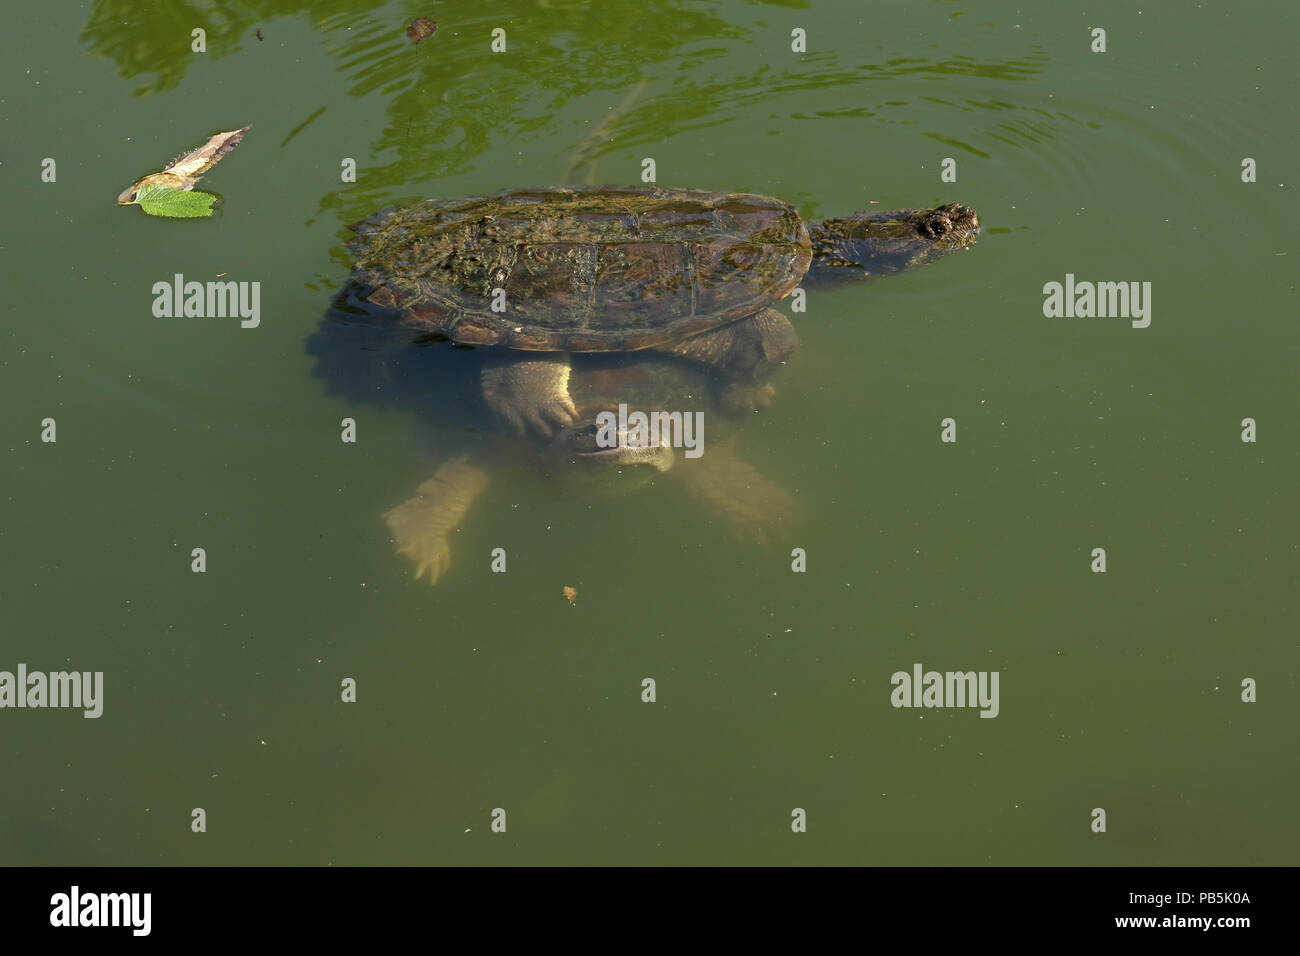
{"type": "Point", "coordinates": [602, 450]}
{"type": "Point", "coordinates": [623, 269]}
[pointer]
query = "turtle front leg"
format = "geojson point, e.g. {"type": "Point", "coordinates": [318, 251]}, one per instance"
{"type": "Point", "coordinates": [422, 523]}
{"type": "Point", "coordinates": [747, 352]}
{"type": "Point", "coordinates": [530, 391]}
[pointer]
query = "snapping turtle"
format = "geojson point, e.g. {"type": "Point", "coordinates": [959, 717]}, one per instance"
{"type": "Point", "coordinates": [546, 273]}
{"type": "Point", "coordinates": [603, 450]}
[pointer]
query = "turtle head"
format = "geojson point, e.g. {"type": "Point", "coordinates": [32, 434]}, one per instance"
{"type": "Point", "coordinates": [610, 458]}
{"type": "Point", "coordinates": [882, 243]}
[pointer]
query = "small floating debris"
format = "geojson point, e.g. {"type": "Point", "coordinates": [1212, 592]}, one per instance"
{"type": "Point", "coordinates": [420, 28]}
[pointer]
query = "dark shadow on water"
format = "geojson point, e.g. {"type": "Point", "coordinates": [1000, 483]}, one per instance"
{"type": "Point", "coordinates": [367, 359]}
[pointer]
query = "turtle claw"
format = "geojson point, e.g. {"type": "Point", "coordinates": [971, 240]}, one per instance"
{"type": "Point", "coordinates": [430, 553]}
{"type": "Point", "coordinates": [531, 393]}
{"type": "Point", "coordinates": [435, 562]}
{"type": "Point", "coordinates": [543, 418]}
{"type": "Point", "coordinates": [422, 524]}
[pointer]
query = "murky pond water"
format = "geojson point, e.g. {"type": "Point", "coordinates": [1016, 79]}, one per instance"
{"type": "Point", "coordinates": [222, 690]}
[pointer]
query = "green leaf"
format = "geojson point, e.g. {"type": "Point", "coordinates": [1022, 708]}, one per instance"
{"type": "Point", "coordinates": [178, 203]}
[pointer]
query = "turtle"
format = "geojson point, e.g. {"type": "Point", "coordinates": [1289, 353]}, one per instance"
{"type": "Point", "coordinates": [540, 275]}
{"type": "Point", "coordinates": [603, 451]}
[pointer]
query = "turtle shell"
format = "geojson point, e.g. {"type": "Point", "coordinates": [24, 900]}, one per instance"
{"type": "Point", "coordinates": [580, 270]}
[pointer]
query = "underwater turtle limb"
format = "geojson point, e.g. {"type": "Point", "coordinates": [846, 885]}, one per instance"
{"type": "Point", "coordinates": [747, 352]}
{"type": "Point", "coordinates": [755, 507]}
{"type": "Point", "coordinates": [750, 348]}
{"type": "Point", "coordinates": [532, 391]}
{"type": "Point", "coordinates": [421, 524]}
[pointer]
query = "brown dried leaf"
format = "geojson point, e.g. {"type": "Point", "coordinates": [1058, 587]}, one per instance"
{"type": "Point", "coordinates": [184, 171]}
{"type": "Point", "coordinates": [197, 162]}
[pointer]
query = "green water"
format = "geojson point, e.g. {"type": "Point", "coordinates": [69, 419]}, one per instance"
{"type": "Point", "coordinates": [1119, 691]}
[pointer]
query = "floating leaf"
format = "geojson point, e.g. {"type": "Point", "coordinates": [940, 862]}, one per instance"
{"type": "Point", "coordinates": [184, 171]}
{"type": "Point", "coordinates": [420, 28]}
{"type": "Point", "coordinates": [158, 200]}
{"type": "Point", "coordinates": [571, 595]}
